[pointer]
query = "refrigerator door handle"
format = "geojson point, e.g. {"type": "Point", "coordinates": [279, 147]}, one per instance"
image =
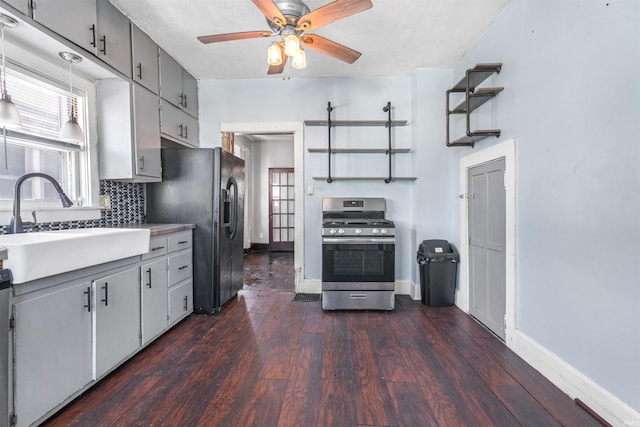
{"type": "Point", "coordinates": [232, 187]}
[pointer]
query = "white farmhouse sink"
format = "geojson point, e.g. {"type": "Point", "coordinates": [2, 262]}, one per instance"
{"type": "Point", "coordinates": [36, 255]}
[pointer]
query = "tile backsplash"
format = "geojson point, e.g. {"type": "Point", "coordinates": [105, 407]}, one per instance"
{"type": "Point", "coordinates": [127, 207]}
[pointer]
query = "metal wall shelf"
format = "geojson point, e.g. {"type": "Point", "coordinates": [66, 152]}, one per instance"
{"type": "Point", "coordinates": [360, 150]}
{"type": "Point", "coordinates": [365, 178]}
{"type": "Point", "coordinates": [389, 151]}
{"type": "Point", "coordinates": [473, 99]}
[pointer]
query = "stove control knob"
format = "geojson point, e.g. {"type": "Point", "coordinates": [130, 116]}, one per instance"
{"type": "Point", "coordinates": [375, 231]}
{"type": "Point", "coordinates": [358, 231]}
{"type": "Point", "coordinates": [383, 231]}
{"type": "Point", "coordinates": [333, 231]}
{"type": "Point", "coordinates": [341, 231]}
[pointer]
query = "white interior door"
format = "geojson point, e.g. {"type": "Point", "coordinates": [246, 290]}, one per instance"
{"type": "Point", "coordinates": [487, 244]}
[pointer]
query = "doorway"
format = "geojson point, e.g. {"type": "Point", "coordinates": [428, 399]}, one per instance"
{"type": "Point", "coordinates": [504, 150]}
{"type": "Point", "coordinates": [487, 233]}
{"type": "Point", "coordinates": [281, 209]}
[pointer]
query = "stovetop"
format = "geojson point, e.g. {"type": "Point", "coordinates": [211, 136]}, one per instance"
{"type": "Point", "coordinates": [357, 222]}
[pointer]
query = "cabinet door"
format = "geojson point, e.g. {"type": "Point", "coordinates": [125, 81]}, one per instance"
{"type": "Point", "coordinates": [117, 329]}
{"type": "Point", "coordinates": [21, 5]}
{"type": "Point", "coordinates": [114, 40]}
{"type": "Point", "coordinates": [180, 301]}
{"type": "Point", "coordinates": [53, 353]}
{"type": "Point", "coordinates": [178, 125]}
{"type": "Point", "coordinates": [147, 132]}
{"type": "Point", "coordinates": [145, 60]}
{"type": "Point", "coordinates": [153, 283]}
{"type": "Point", "coordinates": [75, 20]}
{"type": "Point", "coordinates": [190, 91]}
{"type": "Point", "coordinates": [170, 79]}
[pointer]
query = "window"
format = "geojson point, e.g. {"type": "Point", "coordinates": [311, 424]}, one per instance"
{"type": "Point", "coordinates": [44, 106]}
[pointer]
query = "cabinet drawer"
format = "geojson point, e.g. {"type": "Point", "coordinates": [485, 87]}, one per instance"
{"type": "Point", "coordinates": [180, 301]}
{"type": "Point", "coordinates": [180, 267]}
{"type": "Point", "coordinates": [157, 247]}
{"type": "Point", "coordinates": [180, 240]}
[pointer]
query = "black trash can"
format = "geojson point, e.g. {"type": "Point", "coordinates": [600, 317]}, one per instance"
{"type": "Point", "coordinates": [438, 262]}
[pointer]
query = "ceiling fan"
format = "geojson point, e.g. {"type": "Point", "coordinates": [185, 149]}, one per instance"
{"type": "Point", "coordinates": [290, 19]}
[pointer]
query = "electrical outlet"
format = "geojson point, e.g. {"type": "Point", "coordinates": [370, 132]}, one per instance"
{"type": "Point", "coordinates": [105, 202]}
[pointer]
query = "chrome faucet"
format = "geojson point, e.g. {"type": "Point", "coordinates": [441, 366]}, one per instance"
{"type": "Point", "coordinates": [16, 221]}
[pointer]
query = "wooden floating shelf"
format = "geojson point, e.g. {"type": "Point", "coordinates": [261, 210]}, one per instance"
{"type": "Point", "coordinates": [366, 178]}
{"type": "Point", "coordinates": [354, 123]}
{"type": "Point", "coordinates": [359, 150]}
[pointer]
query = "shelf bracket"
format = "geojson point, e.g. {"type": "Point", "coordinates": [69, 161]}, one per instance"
{"type": "Point", "coordinates": [387, 109]}
{"type": "Point", "coordinates": [329, 110]}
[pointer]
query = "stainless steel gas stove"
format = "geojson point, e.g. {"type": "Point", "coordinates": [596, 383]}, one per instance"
{"type": "Point", "coordinates": [358, 255]}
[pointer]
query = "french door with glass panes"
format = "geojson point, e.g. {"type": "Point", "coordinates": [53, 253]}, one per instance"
{"type": "Point", "coordinates": [281, 209]}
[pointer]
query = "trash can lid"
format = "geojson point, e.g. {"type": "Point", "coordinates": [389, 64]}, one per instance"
{"type": "Point", "coordinates": [434, 247]}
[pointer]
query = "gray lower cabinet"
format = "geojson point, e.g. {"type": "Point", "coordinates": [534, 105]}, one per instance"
{"type": "Point", "coordinates": [153, 288]}
{"type": "Point", "coordinates": [53, 349]}
{"type": "Point", "coordinates": [73, 329]}
{"type": "Point", "coordinates": [117, 322]}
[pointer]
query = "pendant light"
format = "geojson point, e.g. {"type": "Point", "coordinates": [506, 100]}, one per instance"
{"type": "Point", "coordinates": [9, 114]}
{"type": "Point", "coordinates": [71, 130]}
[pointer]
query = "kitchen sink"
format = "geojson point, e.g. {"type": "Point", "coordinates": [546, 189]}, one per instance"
{"type": "Point", "coordinates": [36, 255]}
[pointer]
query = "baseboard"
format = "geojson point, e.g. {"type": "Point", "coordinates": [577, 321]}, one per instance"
{"type": "Point", "coordinates": [573, 382]}
{"type": "Point", "coordinates": [403, 287]}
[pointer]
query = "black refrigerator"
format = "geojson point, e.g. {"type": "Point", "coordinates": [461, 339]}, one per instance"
{"type": "Point", "coordinates": [205, 187]}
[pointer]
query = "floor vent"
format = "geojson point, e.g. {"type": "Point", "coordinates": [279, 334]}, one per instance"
{"type": "Point", "coordinates": [306, 297]}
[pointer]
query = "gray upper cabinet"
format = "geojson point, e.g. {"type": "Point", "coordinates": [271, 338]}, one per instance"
{"type": "Point", "coordinates": [145, 60]}
{"type": "Point", "coordinates": [74, 20]}
{"type": "Point", "coordinates": [20, 5]}
{"type": "Point", "coordinates": [128, 132]}
{"type": "Point", "coordinates": [178, 126]}
{"type": "Point", "coordinates": [177, 86]}
{"type": "Point", "coordinates": [114, 41]}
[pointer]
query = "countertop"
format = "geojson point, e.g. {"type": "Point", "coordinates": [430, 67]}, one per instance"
{"type": "Point", "coordinates": [159, 229]}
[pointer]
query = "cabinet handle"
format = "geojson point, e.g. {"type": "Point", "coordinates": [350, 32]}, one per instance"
{"type": "Point", "coordinates": [180, 130]}
{"type": "Point", "coordinates": [181, 99]}
{"type": "Point", "coordinates": [182, 242]}
{"type": "Point", "coordinates": [184, 100]}
{"type": "Point", "coordinates": [106, 294]}
{"type": "Point", "coordinates": [183, 267]}
{"type": "Point", "coordinates": [88, 294]}
{"type": "Point", "coordinates": [186, 132]}
{"type": "Point", "coordinates": [157, 248]}
{"type": "Point", "coordinates": [139, 67]}
{"type": "Point", "coordinates": [149, 273]}
{"type": "Point", "coordinates": [142, 163]}
{"type": "Point", "coordinates": [103, 39]}
{"type": "Point", "coordinates": [93, 35]}
{"type": "Point", "coordinates": [186, 303]}
{"type": "Point", "coordinates": [32, 5]}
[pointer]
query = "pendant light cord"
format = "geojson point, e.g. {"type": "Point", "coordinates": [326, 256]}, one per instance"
{"type": "Point", "coordinates": [4, 72]}
{"type": "Point", "coordinates": [70, 91]}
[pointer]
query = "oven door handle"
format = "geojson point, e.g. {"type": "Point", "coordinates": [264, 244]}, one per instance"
{"type": "Point", "coordinates": [359, 240]}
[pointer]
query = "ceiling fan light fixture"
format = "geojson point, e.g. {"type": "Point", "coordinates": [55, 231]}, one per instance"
{"type": "Point", "coordinates": [274, 54]}
{"type": "Point", "coordinates": [299, 60]}
{"type": "Point", "coordinates": [291, 45]}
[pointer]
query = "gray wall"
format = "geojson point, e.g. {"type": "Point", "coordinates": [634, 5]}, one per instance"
{"type": "Point", "coordinates": [571, 101]}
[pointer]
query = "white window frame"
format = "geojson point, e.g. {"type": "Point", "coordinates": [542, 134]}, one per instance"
{"type": "Point", "coordinates": [55, 69]}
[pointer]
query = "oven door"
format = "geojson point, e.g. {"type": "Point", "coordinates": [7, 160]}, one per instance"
{"type": "Point", "coordinates": [358, 259]}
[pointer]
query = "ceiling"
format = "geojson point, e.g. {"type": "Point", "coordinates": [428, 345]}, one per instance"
{"type": "Point", "coordinates": [395, 37]}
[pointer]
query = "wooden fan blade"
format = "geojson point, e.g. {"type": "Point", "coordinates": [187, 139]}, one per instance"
{"type": "Point", "coordinates": [332, 12]}
{"type": "Point", "coordinates": [271, 11]}
{"type": "Point", "coordinates": [216, 38]}
{"type": "Point", "coordinates": [278, 69]}
{"type": "Point", "coordinates": [330, 48]}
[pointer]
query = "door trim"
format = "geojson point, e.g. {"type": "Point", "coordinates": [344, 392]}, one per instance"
{"type": "Point", "coordinates": [504, 149]}
{"type": "Point", "coordinates": [297, 129]}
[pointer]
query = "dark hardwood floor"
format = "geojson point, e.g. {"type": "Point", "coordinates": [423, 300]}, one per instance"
{"type": "Point", "coordinates": [266, 360]}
